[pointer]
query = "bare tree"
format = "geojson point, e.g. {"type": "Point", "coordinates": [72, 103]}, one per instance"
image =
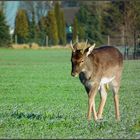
{"type": "Point", "coordinates": [2, 4]}
{"type": "Point", "coordinates": [42, 8]}
{"type": "Point", "coordinates": [30, 7]}
{"type": "Point", "coordinates": [36, 9]}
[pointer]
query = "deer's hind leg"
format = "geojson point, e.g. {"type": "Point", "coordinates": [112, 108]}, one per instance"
{"type": "Point", "coordinates": [115, 87]}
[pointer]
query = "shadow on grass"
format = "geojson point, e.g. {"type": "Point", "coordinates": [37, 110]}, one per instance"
{"type": "Point", "coordinates": [20, 115]}
{"type": "Point", "coordinates": [57, 119]}
{"type": "Point", "coordinates": [38, 116]}
{"type": "Point", "coordinates": [102, 125]}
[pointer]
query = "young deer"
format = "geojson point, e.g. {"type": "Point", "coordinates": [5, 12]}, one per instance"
{"type": "Point", "coordinates": [95, 68]}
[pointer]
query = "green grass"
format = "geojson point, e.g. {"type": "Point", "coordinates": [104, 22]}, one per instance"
{"type": "Point", "coordinates": [40, 99]}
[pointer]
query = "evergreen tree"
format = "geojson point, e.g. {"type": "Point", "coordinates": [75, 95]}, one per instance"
{"type": "Point", "coordinates": [78, 30]}
{"type": "Point", "coordinates": [52, 28]}
{"type": "Point", "coordinates": [58, 20]}
{"type": "Point", "coordinates": [4, 31]}
{"type": "Point", "coordinates": [81, 32]}
{"type": "Point", "coordinates": [112, 17]}
{"type": "Point", "coordinates": [22, 26]}
{"type": "Point", "coordinates": [89, 21]}
{"type": "Point", "coordinates": [42, 30]}
{"type": "Point", "coordinates": [63, 27]}
{"type": "Point", "coordinates": [75, 30]}
{"type": "Point", "coordinates": [32, 28]}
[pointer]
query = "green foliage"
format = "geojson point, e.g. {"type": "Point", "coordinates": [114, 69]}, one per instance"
{"type": "Point", "coordinates": [32, 28]}
{"type": "Point", "coordinates": [53, 32]}
{"type": "Point", "coordinates": [83, 14]}
{"type": "Point", "coordinates": [58, 20]}
{"type": "Point", "coordinates": [133, 8]}
{"type": "Point", "coordinates": [78, 30]}
{"type": "Point", "coordinates": [22, 26]}
{"type": "Point", "coordinates": [81, 32]}
{"type": "Point", "coordinates": [4, 31]}
{"type": "Point", "coordinates": [121, 13]}
{"type": "Point", "coordinates": [112, 22]}
{"type": "Point", "coordinates": [89, 21]}
{"type": "Point", "coordinates": [61, 26]}
{"type": "Point", "coordinates": [109, 18]}
{"type": "Point", "coordinates": [42, 31]}
{"type": "Point", "coordinates": [75, 30]}
{"type": "Point", "coordinates": [95, 20]}
{"type": "Point", "coordinates": [39, 99]}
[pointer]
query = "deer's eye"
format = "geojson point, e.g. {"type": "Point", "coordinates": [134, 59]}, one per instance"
{"type": "Point", "coordinates": [82, 61]}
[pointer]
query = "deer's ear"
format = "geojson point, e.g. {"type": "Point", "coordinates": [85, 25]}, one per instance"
{"type": "Point", "coordinates": [90, 49]}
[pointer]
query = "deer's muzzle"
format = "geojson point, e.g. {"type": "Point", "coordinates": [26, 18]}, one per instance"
{"type": "Point", "coordinates": [74, 74]}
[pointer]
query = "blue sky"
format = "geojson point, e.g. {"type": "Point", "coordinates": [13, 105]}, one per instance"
{"type": "Point", "coordinates": [11, 9]}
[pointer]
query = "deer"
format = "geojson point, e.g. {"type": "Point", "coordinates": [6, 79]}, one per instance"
{"type": "Point", "coordinates": [97, 67]}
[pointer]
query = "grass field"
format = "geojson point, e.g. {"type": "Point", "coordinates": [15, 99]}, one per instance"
{"type": "Point", "coordinates": [40, 99]}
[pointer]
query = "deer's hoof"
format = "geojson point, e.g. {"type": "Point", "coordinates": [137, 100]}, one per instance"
{"type": "Point", "coordinates": [118, 120]}
{"type": "Point", "coordinates": [99, 120]}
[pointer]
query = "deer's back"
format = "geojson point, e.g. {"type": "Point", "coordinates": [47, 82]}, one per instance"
{"type": "Point", "coordinates": [107, 56]}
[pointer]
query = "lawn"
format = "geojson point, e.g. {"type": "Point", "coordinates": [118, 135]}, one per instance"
{"type": "Point", "coordinates": [40, 99]}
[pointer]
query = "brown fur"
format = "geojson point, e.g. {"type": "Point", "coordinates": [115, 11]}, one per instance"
{"type": "Point", "coordinates": [103, 62]}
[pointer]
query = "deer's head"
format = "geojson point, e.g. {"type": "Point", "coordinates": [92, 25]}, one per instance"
{"type": "Point", "coordinates": [80, 52]}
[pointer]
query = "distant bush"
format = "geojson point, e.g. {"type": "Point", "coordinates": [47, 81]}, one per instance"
{"type": "Point", "coordinates": [20, 46]}
{"type": "Point", "coordinates": [25, 46]}
{"type": "Point", "coordinates": [34, 46]}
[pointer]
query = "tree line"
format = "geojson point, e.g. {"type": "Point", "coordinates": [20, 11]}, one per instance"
{"type": "Point", "coordinates": [4, 28]}
{"type": "Point", "coordinates": [37, 21]}
{"type": "Point", "coordinates": [96, 20]}
{"type": "Point", "coordinates": [51, 24]}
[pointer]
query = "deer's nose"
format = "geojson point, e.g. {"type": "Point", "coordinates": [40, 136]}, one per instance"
{"type": "Point", "coordinates": [74, 74]}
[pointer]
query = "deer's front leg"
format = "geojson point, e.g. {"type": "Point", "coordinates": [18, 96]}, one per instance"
{"type": "Point", "coordinates": [102, 102]}
{"type": "Point", "coordinates": [91, 103]}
